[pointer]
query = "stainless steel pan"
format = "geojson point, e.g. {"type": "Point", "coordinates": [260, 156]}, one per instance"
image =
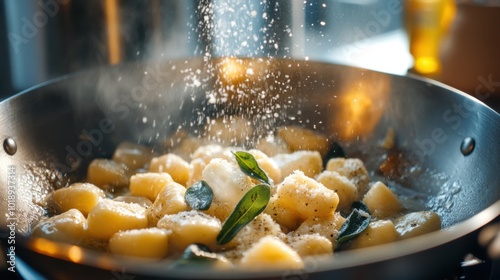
{"type": "Point", "coordinates": [450, 143]}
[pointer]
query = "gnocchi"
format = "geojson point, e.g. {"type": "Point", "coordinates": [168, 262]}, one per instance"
{"type": "Point", "coordinates": [149, 185]}
{"type": "Point", "coordinates": [271, 253]}
{"type": "Point", "coordinates": [80, 196]}
{"type": "Point", "coordinates": [109, 217]}
{"type": "Point", "coordinates": [417, 223]}
{"type": "Point", "coordinates": [135, 204]}
{"type": "Point", "coordinates": [345, 189]}
{"type": "Point", "coordinates": [169, 201]}
{"type": "Point", "coordinates": [134, 156]}
{"type": "Point", "coordinates": [149, 243]}
{"type": "Point", "coordinates": [108, 174]}
{"type": "Point", "coordinates": [190, 227]}
{"type": "Point", "coordinates": [172, 164]}
{"type": "Point", "coordinates": [377, 233]}
{"type": "Point", "coordinates": [311, 245]}
{"type": "Point", "coordinates": [381, 201]}
{"type": "Point", "coordinates": [306, 196]}
{"type": "Point", "coordinates": [68, 227]}
{"type": "Point", "coordinates": [309, 162]}
{"type": "Point", "coordinates": [326, 226]}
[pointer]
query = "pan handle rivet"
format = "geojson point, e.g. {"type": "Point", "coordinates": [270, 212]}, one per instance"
{"type": "Point", "coordinates": [467, 146]}
{"type": "Point", "coordinates": [10, 146]}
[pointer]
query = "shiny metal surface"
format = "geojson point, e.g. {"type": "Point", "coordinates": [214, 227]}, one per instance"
{"type": "Point", "coordinates": [61, 125]}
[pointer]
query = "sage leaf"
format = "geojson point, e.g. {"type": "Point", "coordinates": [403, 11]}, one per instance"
{"type": "Point", "coordinates": [250, 206]}
{"type": "Point", "coordinates": [199, 196]}
{"type": "Point", "coordinates": [196, 254]}
{"type": "Point", "coordinates": [360, 206]}
{"type": "Point", "coordinates": [355, 224]}
{"type": "Point", "coordinates": [250, 167]}
{"type": "Point", "coordinates": [335, 151]}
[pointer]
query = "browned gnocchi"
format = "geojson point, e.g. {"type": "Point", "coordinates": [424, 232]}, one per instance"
{"type": "Point", "coordinates": [160, 206]}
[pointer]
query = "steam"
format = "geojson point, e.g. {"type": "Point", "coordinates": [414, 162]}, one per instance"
{"type": "Point", "coordinates": [228, 34]}
{"type": "Point", "coordinates": [203, 55]}
{"type": "Point", "coordinates": [242, 28]}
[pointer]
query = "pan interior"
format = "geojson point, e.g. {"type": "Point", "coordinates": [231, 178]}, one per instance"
{"type": "Point", "coordinates": [61, 126]}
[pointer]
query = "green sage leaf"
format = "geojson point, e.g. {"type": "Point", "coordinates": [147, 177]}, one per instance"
{"type": "Point", "coordinates": [335, 151]}
{"type": "Point", "coordinates": [354, 225]}
{"type": "Point", "coordinates": [196, 254]}
{"type": "Point", "coordinates": [250, 167]}
{"type": "Point", "coordinates": [249, 207]}
{"type": "Point", "coordinates": [199, 196]}
{"type": "Point", "coordinates": [360, 206]}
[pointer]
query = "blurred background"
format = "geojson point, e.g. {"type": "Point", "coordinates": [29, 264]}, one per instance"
{"type": "Point", "coordinates": [456, 42]}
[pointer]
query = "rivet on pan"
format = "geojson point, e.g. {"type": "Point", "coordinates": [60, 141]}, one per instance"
{"type": "Point", "coordinates": [10, 146]}
{"type": "Point", "coordinates": [467, 146]}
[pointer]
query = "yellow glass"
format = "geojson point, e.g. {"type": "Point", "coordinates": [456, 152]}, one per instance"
{"type": "Point", "coordinates": [427, 21]}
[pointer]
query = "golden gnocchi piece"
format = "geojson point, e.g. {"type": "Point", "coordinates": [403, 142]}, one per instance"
{"type": "Point", "coordinates": [272, 146]}
{"type": "Point", "coordinates": [271, 253]}
{"type": "Point", "coordinates": [140, 200]}
{"type": "Point", "coordinates": [68, 227]}
{"type": "Point", "coordinates": [196, 167]}
{"type": "Point", "coordinates": [309, 162]}
{"type": "Point", "coordinates": [298, 138]}
{"type": "Point", "coordinates": [417, 223]}
{"type": "Point", "coordinates": [107, 174]}
{"type": "Point", "coordinates": [220, 210]}
{"type": "Point", "coordinates": [301, 222]}
{"type": "Point", "coordinates": [151, 243]}
{"type": "Point", "coordinates": [81, 196]}
{"type": "Point", "coordinates": [282, 214]}
{"type": "Point", "coordinates": [311, 245]}
{"type": "Point", "coordinates": [227, 181]}
{"type": "Point", "coordinates": [134, 156]}
{"type": "Point", "coordinates": [326, 226]}
{"type": "Point", "coordinates": [190, 227]}
{"type": "Point", "coordinates": [267, 164]}
{"type": "Point", "coordinates": [213, 151]}
{"type": "Point", "coordinates": [169, 201]}
{"type": "Point", "coordinates": [109, 217]}
{"type": "Point", "coordinates": [345, 189]}
{"type": "Point", "coordinates": [208, 152]}
{"type": "Point", "coordinates": [306, 196]}
{"type": "Point", "coordinates": [172, 164]}
{"type": "Point", "coordinates": [263, 225]}
{"type": "Point", "coordinates": [149, 184]}
{"type": "Point", "coordinates": [377, 233]}
{"type": "Point", "coordinates": [381, 201]}
{"type": "Point", "coordinates": [188, 146]}
{"type": "Point", "coordinates": [352, 168]}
